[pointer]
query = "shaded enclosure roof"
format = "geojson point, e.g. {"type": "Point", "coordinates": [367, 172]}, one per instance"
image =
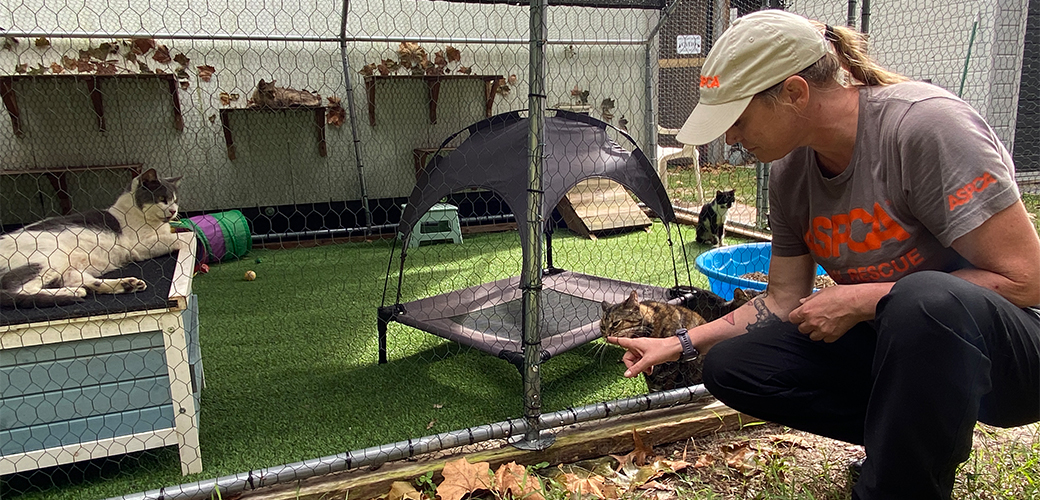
{"type": "Point", "coordinates": [495, 157]}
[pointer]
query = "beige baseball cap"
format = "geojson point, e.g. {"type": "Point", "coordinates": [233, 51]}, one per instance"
{"type": "Point", "coordinates": [758, 50]}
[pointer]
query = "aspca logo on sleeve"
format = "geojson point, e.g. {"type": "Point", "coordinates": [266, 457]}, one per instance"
{"type": "Point", "coordinates": [711, 82]}
{"type": "Point", "coordinates": [966, 193]}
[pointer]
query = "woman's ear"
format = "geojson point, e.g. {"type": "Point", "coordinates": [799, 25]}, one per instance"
{"type": "Point", "coordinates": [795, 91]}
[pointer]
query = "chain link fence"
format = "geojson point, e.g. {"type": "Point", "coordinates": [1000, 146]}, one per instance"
{"type": "Point", "coordinates": [302, 132]}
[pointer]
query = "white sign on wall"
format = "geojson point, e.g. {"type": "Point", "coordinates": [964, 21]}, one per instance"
{"type": "Point", "coordinates": [688, 44]}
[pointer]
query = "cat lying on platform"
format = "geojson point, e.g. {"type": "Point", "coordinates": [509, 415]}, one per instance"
{"type": "Point", "coordinates": [267, 95]}
{"type": "Point", "coordinates": [57, 260]}
{"type": "Point", "coordinates": [633, 319]}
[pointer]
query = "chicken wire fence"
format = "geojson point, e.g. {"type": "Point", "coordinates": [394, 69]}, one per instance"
{"type": "Point", "coordinates": [300, 131]}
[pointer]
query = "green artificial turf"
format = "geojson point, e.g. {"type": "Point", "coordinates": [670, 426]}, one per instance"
{"type": "Point", "coordinates": [291, 358]}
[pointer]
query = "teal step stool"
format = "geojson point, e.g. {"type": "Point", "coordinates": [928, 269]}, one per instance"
{"type": "Point", "coordinates": [439, 223]}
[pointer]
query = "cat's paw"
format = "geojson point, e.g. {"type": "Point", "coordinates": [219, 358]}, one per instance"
{"type": "Point", "coordinates": [133, 285]}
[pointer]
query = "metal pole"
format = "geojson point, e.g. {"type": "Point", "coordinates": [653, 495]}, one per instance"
{"type": "Point", "coordinates": [353, 116]}
{"type": "Point", "coordinates": [850, 19]}
{"type": "Point", "coordinates": [531, 273]}
{"type": "Point", "coordinates": [967, 58]}
{"type": "Point", "coordinates": [378, 455]}
{"type": "Point", "coordinates": [864, 17]}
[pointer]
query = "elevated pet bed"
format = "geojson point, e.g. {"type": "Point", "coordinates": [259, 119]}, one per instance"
{"type": "Point", "coordinates": [495, 157]}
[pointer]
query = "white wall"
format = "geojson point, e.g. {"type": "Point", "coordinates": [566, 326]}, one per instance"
{"type": "Point", "coordinates": [277, 161]}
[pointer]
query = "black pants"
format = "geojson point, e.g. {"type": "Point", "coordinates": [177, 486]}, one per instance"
{"type": "Point", "coordinates": [940, 355]}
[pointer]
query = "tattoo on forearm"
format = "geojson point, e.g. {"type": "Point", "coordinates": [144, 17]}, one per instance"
{"type": "Point", "coordinates": [730, 318]}
{"type": "Point", "coordinates": [764, 318]}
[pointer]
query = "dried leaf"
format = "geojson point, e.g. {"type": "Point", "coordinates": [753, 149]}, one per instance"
{"type": "Point", "coordinates": [182, 60]}
{"type": "Point", "coordinates": [511, 80]}
{"type": "Point", "coordinates": [465, 70]}
{"type": "Point", "coordinates": [206, 72]}
{"type": "Point", "coordinates": [56, 68]}
{"type": "Point", "coordinates": [143, 67]}
{"type": "Point", "coordinates": [10, 42]}
{"type": "Point", "coordinates": [84, 66]}
{"type": "Point", "coordinates": [641, 453]}
{"type": "Point", "coordinates": [435, 405]}
{"type": "Point", "coordinates": [225, 99]}
{"type": "Point", "coordinates": [703, 461]}
{"type": "Point", "coordinates": [212, 118]}
{"type": "Point", "coordinates": [141, 46]}
{"type": "Point", "coordinates": [68, 62]}
{"type": "Point", "coordinates": [462, 478]}
{"type": "Point", "coordinates": [581, 486]}
{"type": "Point", "coordinates": [401, 490]}
{"type": "Point", "coordinates": [100, 52]}
{"type": "Point", "coordinates": [130, 56]}
{"type": "Point", "coordinates": [368, 69]}
{"type": "Point", "coordinates": [410, 54]}
{"type": "Point", "coordinates": [42, 42]}
{"type": "Point", "coordinates": [739, 456]}
{"type": "Point", "coordinates": [38, 70]}
{"type": "Point", "coordinates": [182, 74]}
{"type": "Point", "coordinates": [185, 84]}
{"type": "Point", "coordinates": [454, 55]}
{"type": "Point", "coordinates": [513, 480]}
{"type": "Point", "coordinates": [391, 65]}
{"type": "Point", "coordinates": [439, 59]}
{"type": "Point", "coordinates": [162, 55]}
{"type": "Point", "coordinates": [431, 424]}
{"type": "Point", "coordinates": [789, 439]}
{"type": "Point", "coordinates": [606, 105]}
{"type": "Point", "coordinates": [335, 115]}
{"type": "Point", "coordinates": [106, 68]}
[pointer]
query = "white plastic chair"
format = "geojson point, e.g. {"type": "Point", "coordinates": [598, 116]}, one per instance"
{"type": "Point", "coordinates": [687, 151]}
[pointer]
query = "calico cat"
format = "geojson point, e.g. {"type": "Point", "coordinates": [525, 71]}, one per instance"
{"type": "Point", "coordinates": [57, 260]}
{"type": "Point", "coordinates": [711, 224]}
{"type": "Point", "coordinates": [649, 318]}
{"type": "Point", "coordinates": [267, 95]}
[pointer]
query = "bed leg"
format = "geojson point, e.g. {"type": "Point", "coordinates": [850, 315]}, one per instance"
{"type": "Point", "coordinates": [385, 314]}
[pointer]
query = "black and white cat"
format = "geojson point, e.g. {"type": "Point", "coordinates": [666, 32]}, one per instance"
{"type": "Point", "coordinates": [711, 224]}
{"type": "Point", "coordinates": [57, 260]}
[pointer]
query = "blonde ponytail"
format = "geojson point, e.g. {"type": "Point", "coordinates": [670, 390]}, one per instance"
{"type": "Point", "coordinates": [850, 47]}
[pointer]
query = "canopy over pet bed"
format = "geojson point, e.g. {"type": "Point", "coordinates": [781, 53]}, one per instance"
{"type": "Point", "coordinates": [495, 157]}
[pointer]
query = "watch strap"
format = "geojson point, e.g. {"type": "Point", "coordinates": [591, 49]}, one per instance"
{"type": "Point", "coordinates": [689, 352]}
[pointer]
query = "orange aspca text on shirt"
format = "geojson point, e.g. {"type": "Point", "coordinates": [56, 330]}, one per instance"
{"type": "Point", "coordinates": [966, 193]}
{"type": "Point", "coordinates": [826, 235]}
{"type": "Point", "coordinates": [710, 82]}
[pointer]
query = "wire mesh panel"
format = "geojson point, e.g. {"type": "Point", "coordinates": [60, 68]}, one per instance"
{"type": "Point", "coordinates": [303, 134]}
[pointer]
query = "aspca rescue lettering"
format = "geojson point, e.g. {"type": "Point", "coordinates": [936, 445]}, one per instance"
{"type": "Point", "coordinates": [886, 270]}
{"type": "Point", "coordinates": [827, 235]}
{"type": "Point", "coordinates": [965, 194]}
{"type": "Point", "coordinates": [711, 82]}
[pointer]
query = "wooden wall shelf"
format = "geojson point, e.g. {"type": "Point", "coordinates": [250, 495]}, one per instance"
{"type": "Point", "coordinates": [7, 94]}
{"type": "Point", "coordinates": [319, 123]}
{"type": "Point", "coordinates": [58, 179]}
{"type": "Point", "coordinates": [433, 86]}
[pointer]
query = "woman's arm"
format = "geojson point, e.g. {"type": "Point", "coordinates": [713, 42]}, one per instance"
{"type": "Point", "coordinates": [1005, 254]}
{"type": "Point", "coordinates": [790, 279]}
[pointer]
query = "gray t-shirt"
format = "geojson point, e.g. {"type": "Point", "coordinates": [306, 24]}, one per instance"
{"type": "Point", "coordinates": [926, 170]}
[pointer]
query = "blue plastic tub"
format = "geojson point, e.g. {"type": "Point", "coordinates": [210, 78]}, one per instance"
{"type": "Point", "coordinates": [724, 267]}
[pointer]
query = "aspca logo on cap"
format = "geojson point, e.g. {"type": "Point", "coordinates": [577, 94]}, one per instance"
{"type": "Point", "coordinates": [711, 82]}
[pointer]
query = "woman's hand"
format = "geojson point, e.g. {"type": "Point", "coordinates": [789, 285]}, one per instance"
{"type": "Point", "coordinates": [827, 314]}
{"type": "Point", "coordinates": [645, 352]}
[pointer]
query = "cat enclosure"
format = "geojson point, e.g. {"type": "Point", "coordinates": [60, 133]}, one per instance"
{"type": "Point", "coordinates": [368, 98]}
{"type": "Point", "coordinates": [489, 316]}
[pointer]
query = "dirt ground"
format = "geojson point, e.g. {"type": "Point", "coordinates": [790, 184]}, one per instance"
{"type": "Point", "coordinates": [770, 461]}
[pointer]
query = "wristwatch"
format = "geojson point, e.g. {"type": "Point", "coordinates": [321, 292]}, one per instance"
{"type": "Point", "coordinates": [689, 352]}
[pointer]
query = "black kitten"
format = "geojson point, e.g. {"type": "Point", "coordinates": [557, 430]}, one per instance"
{"type": "Point", "coordinates": [711, 225]}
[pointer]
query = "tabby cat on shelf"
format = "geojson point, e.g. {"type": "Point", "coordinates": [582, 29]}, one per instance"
{"type": "Point", "coordinates": [58, 260]}
{"type": "Point", "coordinates": [711, 224]}
{"type": "Point", "coordinates": [633, 319]}
{"type": "Point", "coordinates": [267, 95]}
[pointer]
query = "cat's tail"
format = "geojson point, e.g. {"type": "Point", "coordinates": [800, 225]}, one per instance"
{"type": "Point", "coordinates": [13, 293]}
